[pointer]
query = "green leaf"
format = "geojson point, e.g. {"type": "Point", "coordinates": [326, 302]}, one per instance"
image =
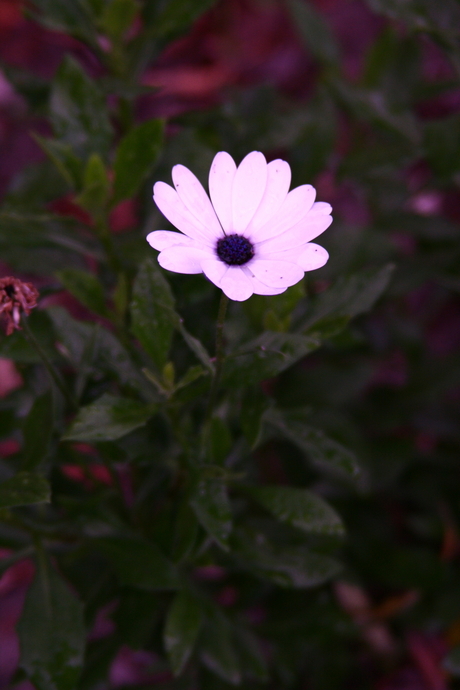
{"type": "Point", "coordinates": [136, 157]}
{"type": "Point", "coordinates": [78, 111]}
{"type": "Point", "coordinates": [107, 419]}
{"type": "Point", "coordinates": [212, 507]}
{"type": "Point", "coordinates": [85, 287]}
{"type": "Point", "coordinates": [176, 16]}
{"type": "Point", "coordinates": [252, 659]}
{"type": "Point", "coordinates": [96, 186]}
{"type": "Point", "coordinates": [37, 432]}
{"type": "Point", "coordinates": [197, 348]}
{"type": "Point", "coordinates": [293, 567]}
{"type": "Point", "coordinates": [347, 298]}
{"type": "Point", "coordinates": [315, 31]}
{"type": "Point", "coordinates": [117, 17]}
{"type": "Point", "coordinates": [298, 507]}
{"type": "Point", "coordinates": [51, 632]}
{"type": "Point", "coordinates": [69, 17]}
{"type": "Point", "coordinates": [138, 563]}
{"type": "Point", "coordinates": [324, 452]}
{"type": "Point", "coordinates": [183, 624]}
{"type": "Point", "coordinates": [220, 441]}
{"type": "Point", "coordinates": [442, 142]}
{"type": "Point", "coordinates": [253, 407]}
{"type": "Point", "coordinates": [152, 312]}
{"type": "Point", "coordinates": [63, 157]}
{"type": "Point", "coordinates": [217, 648]}
{"type": "Point", "coordinates": [25, 488]}
{"type": "Point", "coordinates": [265, 357]}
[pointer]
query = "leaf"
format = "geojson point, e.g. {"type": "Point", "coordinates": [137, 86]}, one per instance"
{"type": "Point", "coordinates": [197, 348]}
{"type": "Point", "coordinates": [347, 298]}
{"type": "Point", "coordinates": [37, 432]}
{"type": "Point", "coordinates": [293, 567]}
{"type": "Point", "coordinates": [298, 507]}
{"type": "Point", "coordinates": [69, 17]}
{"type": "Point", "coordinates": [25, 488]}
{"type": "Point", "coordinates": [118, 16]}
{"type": "Point", "coordinates": [63, 157]}
{"type": "Point", "coordinates": [212, 507]}
{"type": "Point", "coordinates": [78, 111]}
{"type": "Point", "coordinates": [96, 186]}
{"type": "Point", "coordinates": [217, 648]}
{"type": "Point", "coordinates": [252, 659]}
{"type": "Point", "coordinates": [183, 624]}
{"type": "Point", "coordinates": [176, 16]}
{"type": "Point", "coordinates": [138, 563]}
{"type": "Point", "coordinates": [51, 632]}
{"type": "Point", "coordinates": [136, 157]}
{"type": "Point", "coordinates": [265, 357]}
{"type": "Point", "coordinates": [323, 451]}
{"type": "Point", "coordinates": [314, 30]}
{"type": "Point", "coordinates": [85, 287]}
{"type": "Point", "coordinates": [152, 312]}
{"type": "Point", "coordinates": [108, 419]}
{"type": "Point", "coordinates": [253, 407]}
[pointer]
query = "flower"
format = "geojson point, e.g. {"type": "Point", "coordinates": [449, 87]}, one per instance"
{"type": "Point", "coordinates": [251, 236]}
{"type": "Point", "coordinates": [14, 297]}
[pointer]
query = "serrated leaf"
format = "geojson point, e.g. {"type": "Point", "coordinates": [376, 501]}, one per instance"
{"type": "Point", "coordinates": [63, 157]}
{"type": "Point", "coordinates": [265, 357]}
{"type": "Point", "coordinates": [85, 287]}
{"type": "Point", "coordinates": [324, 452]}
{"type": "Point", "coordinates": [25, 488]}
{"type": "Point", "coordinates": [136, 157]}
{"type": "Point", "coordinates": [212, 507]}
{"type": "Point", "coordinates": [197, 348]}
{"type": "Point", "coordinates": [298, 507]}
{"type": "Point", "coordinates": [152, 310]}
{"type": "Point", "coordinates": [138, 563]}
{"type": "Point", "coordinates": [78, 111]}
{"type": "Point", "coordinates": [51, 632]}
{"type": "Point", "coordinates": [183, 624]}
{"type": "Point", "coordinates": [108, 419]}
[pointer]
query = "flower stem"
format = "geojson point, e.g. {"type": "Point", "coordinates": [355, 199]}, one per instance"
{"type": "Point", "coordinates": [219, 360]}
{"type": "Point", "coordinates": [52, 371]}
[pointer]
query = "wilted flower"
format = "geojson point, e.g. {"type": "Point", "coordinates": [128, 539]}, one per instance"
{"type": "Point", "coordinates": [252, 236]}
{"type": "Point", "coordinates": [16, 296]}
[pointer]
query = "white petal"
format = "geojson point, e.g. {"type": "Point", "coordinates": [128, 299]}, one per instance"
{"type": "Point", "coordinates": [312, 257]}
{"type": "Point", "coordinates": [236, 285]}
{"type": "Point", "coordinates": [214, 269]}
{"type": "Point", "coordinates": [276, 190]}
{"type": "Point", "coordinates": [192, 193]}
{"type": "Point", "coordinates": [162, 239]}
{"type": "Point", "coordinates": [308, 228]}
{"type": "Point", "coordinates": [223, 169]}
{"type": "Point", "coordinates": [248, 189]}
{"type": "Point", "coordinates": [171, 206]}
{"type": "Point", "coordinates": [261, 289]}
{"type": "Point", "coordinates": [277, 274]}
{"type": "Point", "coordinates": [295, 207]}
{"type": "Point", "coordinates": [182, 259]}
{"type": "Point", "coordinates": [321, 208]}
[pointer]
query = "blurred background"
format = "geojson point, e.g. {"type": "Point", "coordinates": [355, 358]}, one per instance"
{"type": "Point", "coordinates": [362, 98]}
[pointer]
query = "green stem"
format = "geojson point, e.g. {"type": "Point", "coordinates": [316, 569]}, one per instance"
{"type": "Point", "coordinates": [52, 371]}
{"type": "Point", "coordinates": [219, 361]}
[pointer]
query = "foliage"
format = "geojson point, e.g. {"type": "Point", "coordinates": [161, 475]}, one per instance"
{"type": "Point", "coordinates": [222, 545]}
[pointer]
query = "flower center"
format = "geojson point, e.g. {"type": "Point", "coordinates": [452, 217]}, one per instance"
{"type": "Point", "coordinates": [234, 250]}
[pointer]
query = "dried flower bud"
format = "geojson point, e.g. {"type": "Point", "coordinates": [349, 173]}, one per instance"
{"type": "Point", "coordinates": [16, 296]}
